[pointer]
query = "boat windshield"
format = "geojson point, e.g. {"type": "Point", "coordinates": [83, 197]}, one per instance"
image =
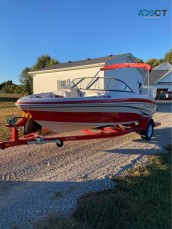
{"type": "Point", "coordinates": [99, 83]}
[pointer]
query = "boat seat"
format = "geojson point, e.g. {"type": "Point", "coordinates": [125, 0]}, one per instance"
{"type": "Point", "coordinates": [94, 93]}
{"type": "Point", "coordinates": [74, 93]}
{"type": "Point", "coordinates": [68, 93]}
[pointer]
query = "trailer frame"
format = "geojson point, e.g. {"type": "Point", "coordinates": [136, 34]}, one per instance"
{"type": "Point", "coordinates": [104, 132]}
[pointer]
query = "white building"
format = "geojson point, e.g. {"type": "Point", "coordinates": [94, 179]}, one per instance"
{"type": "Point", "coordinates": [57, 76]}
{"type": "Point", "coordinates": [160, 79]}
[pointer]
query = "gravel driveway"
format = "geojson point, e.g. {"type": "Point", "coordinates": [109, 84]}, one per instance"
{"type": "Point", "coordinates": [37, 180]}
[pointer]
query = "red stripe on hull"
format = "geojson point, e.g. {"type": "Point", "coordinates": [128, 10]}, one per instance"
{"type": "Point", "coordinates": [84, 117]}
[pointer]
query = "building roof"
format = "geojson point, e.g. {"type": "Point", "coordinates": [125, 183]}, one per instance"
{"type": "Point", "coordinates": [154, 76]}
{"type": "Point", "coordinates": [163, 66]}
{"type": "Point", "coordinates": [88, 61]}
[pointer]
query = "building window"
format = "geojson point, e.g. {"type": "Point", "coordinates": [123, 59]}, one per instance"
{"type": "Point", "coordinates": [62, 83]}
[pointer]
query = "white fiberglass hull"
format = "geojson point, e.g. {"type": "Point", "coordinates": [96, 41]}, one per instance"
{"type": "Point", "coordinates": [62, 115]}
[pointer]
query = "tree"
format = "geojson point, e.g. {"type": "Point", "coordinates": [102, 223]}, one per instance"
{"type": "Point", "coordinates": [154, 62]}
{"type": "Point", "coordinates": [19, 89]}
{"type": "Point", "coordinates": [139, 60]}
{"type": "Point", "coordinates": [168, 57]}
{"type": "Point", "coordinates": [45, 61]}
{"type": "Point", "coordinates": [26, 79]}
{"type": "Point", "coordinates": [4, 83]}
{"type": "Point", "coordinates": [8, 87]}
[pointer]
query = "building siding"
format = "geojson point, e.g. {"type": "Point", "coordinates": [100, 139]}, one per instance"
{"type": "Point", "coordinates": [47, 82]}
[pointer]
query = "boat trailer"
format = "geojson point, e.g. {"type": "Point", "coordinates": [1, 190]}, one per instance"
{"type": "Point", "coordinates": [144, 128]}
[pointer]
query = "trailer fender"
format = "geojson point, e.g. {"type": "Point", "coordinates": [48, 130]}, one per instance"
{"type": "Point", "coordinates": [144, 123]}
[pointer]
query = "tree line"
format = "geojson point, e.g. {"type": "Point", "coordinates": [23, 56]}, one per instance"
{"type": "Point", "coordinates": [155, 62]}
{"type": "Point", "coordinates": [26, 86]}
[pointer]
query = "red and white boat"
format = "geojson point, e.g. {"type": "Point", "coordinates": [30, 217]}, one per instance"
{"type": "Point", "coordinates": [88, 103]}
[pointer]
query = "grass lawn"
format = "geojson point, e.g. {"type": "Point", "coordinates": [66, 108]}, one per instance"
{"type": "Point", "coordinates": [140, 200]}
{"type": "Point", "coordinates": [7, 109]}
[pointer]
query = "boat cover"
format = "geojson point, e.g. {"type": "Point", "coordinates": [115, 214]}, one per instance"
{"type": "Point", "coordinates": [127, 65]}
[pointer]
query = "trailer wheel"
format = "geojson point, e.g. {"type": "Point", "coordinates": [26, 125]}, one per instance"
{"type": "Point", "coordinates": [31, 126]}
{"type": "Point", "coordinates": [147, 134]}
{"type": "Point", "coordinates": [59, 143]}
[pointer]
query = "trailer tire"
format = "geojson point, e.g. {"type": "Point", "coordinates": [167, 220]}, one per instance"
{"type": "Point", "coordinates": [59, 143]}
{"type": "Point", "coordinates": [31, 126]}
{"type": "Point", "coordinates": [147, 134]}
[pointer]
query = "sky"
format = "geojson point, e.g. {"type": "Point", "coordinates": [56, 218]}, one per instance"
{"type": "Point", "coordinates": [80, 29]}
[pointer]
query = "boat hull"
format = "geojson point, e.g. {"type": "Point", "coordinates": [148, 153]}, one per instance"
{"type": "Point", "coordinates": [76, 115]}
